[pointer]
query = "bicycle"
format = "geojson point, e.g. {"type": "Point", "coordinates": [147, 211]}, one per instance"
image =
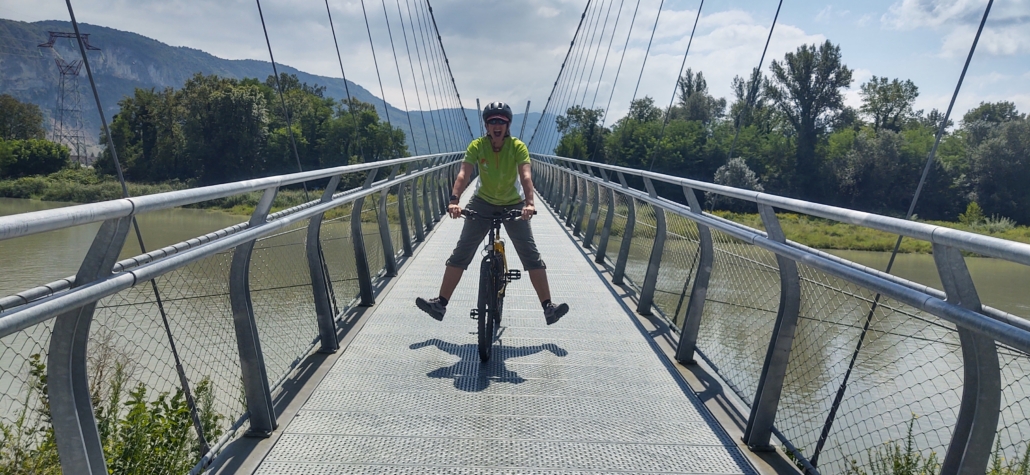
{"type": "Point", "coordinates": [494, 277]}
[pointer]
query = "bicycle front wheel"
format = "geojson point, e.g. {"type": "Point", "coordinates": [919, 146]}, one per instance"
{"type": "Point", "coordinates": [486, 308]}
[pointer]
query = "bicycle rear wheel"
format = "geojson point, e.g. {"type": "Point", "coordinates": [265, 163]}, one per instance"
{"type": "Point", "coordinates": [486, 308]}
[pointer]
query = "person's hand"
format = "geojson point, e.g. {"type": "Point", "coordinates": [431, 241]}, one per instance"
{"type": "Point", "coordinates": [454, 210]}
{"type": "Point", "coordinates": [527, 212]}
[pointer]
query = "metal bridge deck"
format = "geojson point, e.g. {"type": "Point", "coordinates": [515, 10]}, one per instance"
{"type": "Point", "coordinates": [586, 395]}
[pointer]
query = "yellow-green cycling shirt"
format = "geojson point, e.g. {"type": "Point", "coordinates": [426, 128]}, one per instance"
{"type": "Point", "coordinates": [498, 171]}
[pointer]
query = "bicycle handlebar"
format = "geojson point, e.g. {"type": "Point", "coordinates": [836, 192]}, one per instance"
{"type": "Point", "coordinates": [511, 215]}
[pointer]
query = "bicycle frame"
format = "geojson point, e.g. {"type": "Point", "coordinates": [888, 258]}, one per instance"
{"type": "Point", "coordinates": [494, 277]}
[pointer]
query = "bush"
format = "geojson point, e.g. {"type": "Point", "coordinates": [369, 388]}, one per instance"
{"type": "Point", "coordinates": [19, 158]}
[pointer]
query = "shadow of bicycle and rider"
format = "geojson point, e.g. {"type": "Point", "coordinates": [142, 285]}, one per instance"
{"type": "Point", "coordinates": [471, 375]}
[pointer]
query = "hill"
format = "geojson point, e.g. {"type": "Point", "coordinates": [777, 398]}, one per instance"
{"type": "Point", "coordinates": [127, 61]}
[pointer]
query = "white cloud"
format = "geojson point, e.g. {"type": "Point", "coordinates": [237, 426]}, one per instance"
{"type": "Point", "coordinates": [1006, 33]}
{"type": "Point", "coordinates": [853, 96]}
{"type": "Point", "coordinates": [547, 12]}
{"type": "Point", "coordinates": [830, 14]}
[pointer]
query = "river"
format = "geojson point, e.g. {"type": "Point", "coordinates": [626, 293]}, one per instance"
{"type": "Point", "coordinates": [36, 260]}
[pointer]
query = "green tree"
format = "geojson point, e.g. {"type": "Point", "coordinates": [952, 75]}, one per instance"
{"type": "Point", "coordinates": [806, 89]}
{"type": "Point", "coordinates": [888, 103]}
{"type": "Point", "coordinates": [750, 106]}
{"type": "Point", "coordinates": [737, 174]}
{"type": "Point", "coordinates": [582, 134]}
{"type": "Point", "coordinates": [1000, 170]}
{"type": "Point", "coordinates": [695, 103]}
{"type": "Point", "coordinates": [20, 120]}
{"type": "Point", "coordinates": [20, 158]}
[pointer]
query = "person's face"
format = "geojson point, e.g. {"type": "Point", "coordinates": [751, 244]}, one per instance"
{"type": "Point", "coordinates": [496, 129]}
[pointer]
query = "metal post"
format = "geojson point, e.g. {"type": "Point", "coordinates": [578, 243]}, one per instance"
{"type": "Point", "coordinates": [627, 235]}
{"type": "Point", "coordinates": [389, 257]}
{"type": "Point", "coordinates": [699, 292]}
{"type": "Point", "coordinates": [972, 441]}
{"type": "Point", "coordinates": [71, 411]}
{"type": "Point", "coordinates": [323, 307]}
{"type": "Point", "coordinates": [758, 432]}
{"type": "Point", "coordinates": [358, 240]}
{"type": "Point", "coordinates": [427, 206]}
{"type": "Point", "coordinates": [252, 360]}
{"type": "Point", "coordinates": [609, 218]}
{"type": "Point", "coordinates": [570, 206]}
{"type": "Point", "coordinates": [655, 262]}
{"type": "Point", "coordinates": [595, 206]}
{"type": "Point", "coordinates": [578, 226]}
{"type": "Point", "coordinates": [420, 232]}
{"type": "Point", "coordinates": [403, 216]}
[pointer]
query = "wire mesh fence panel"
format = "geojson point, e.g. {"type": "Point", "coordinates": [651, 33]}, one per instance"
{"type": "Point", "coordinates": [338, 250]}
{"type": "Point", "coordinates": [409, 211]}
{"type": "Point", "coordinates": [740, 311]}
{"type": "Point", "coordinates": [587, 197]}
{"type": "Point", "coordinates": [680, 258]}
{"type": "Point", "coordinates": [20, 389]}
{"type": "Point", "coordinates": [196, 300]}
{"type": "Point", "coordinates": [281, 294]}
{"type": "Point", "coordinates": [641, 244]}
{"type": "Point", "coordinates": [1013, 439]}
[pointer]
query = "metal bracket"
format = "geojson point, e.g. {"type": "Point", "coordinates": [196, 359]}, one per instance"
{"type": "Point", "coordinates": [699, 292]}
{"type": "Point", "coordinates": [323, 306]}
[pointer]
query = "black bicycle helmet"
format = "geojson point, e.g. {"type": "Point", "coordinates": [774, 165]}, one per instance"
{"type": "Point", "coordinates": [495, 109]}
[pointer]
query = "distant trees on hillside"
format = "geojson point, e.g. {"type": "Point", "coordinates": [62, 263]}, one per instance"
{"type": "Point", "coordinates": [217, 130]}
{"type": "Point", "coordinates": [23, 148]}
{"type": "Point", "coordinates": [797, 138]}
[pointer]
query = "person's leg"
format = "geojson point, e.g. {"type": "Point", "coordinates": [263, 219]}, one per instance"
{"type": "Point", "coordinates": [539, 279]}
{"type": "Point", "coordinates": [451, 277]}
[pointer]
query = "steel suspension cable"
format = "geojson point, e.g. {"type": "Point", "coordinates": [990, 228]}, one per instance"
{"type": "Point", "coordinates": [565, 89]}
{"type": "Point", "coordinates": [447, 95]}
{"type": "Point", "coordinates": [647, 51]}
{"type": "Point", "coordinates": [282, 98]}
{"type": "Point", "coordinates": [668, 110]}
{"type": "Point", "coordinates": [572, 43]}
{"type": "Point", "coordinates": [756, 75]}
{"type": "Point", "coordinates": [604, 64]}
{"type": "Point", "coordinates": [382, 92]}
{"type": "Point", "coordinates": [824, 434]}
{"type": "Point", "coordinates": [425, 85]}
{"type": "Point", "coordinates": [618, 70]}
{"type": "Point", "coordinates": [578, 70]}
{"type": "Point", "coordinates": [447, 138]}
{"type": "Point", "coordinates": [597, 52]}
{"type": "Point", "coordinates": [400, 79]}
{"type": "Point", "coordinates": [449, 72]}
{"type": "Point", "coordinates": [191, 403]}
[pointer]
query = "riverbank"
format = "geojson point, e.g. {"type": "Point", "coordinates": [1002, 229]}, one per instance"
{"type": "Point", "coordinates": [86, 186]}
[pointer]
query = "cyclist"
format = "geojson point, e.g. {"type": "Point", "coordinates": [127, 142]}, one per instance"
{"type": "Point", "coordinates": [503, 160]}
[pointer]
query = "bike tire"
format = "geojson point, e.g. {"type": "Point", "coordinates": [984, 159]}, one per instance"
{"type": "Point", "coordinates": [501, 286]}
{"type": "Point", "coordinates": [487, 300]}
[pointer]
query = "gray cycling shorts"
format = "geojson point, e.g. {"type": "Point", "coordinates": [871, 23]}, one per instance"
{"type": "Point", "coordinates": [472, 234]}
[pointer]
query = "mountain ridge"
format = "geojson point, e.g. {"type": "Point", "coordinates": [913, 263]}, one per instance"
{"type": "Point", "coordinates": [128, 60]}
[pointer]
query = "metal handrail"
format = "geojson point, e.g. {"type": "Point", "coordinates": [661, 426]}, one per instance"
{"type": "Point", "coordinates": [977, 243]}
{"type": "Point", "coordinates": [565, 183]}
{"type": "Point", "coordinates": [71, 302]}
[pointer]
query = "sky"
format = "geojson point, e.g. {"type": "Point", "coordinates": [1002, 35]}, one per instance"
{"type": "Point", "coordinates": [512, 50]}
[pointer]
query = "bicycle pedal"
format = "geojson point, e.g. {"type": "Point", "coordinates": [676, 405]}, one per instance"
{"type": "Point", "coordinates": [474, 314]}
{"type": "Point", "coordinates": [513, 274]}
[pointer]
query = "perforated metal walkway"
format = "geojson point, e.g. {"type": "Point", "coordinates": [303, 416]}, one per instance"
{"type": "Point", "coordinates": [586, 395]}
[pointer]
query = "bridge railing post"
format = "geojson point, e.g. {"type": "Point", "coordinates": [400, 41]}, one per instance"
{"type": "Point", "coordinates": [609, 217]}
{"type": "Point", "coordinates": [699, 292]}
{"type": "Point", "coordinates": [416, 214]}
{"type": "Point", "coordinates": [252, 361]}
{"type": "Point", "coordinates": [365, 291]}
{"type": "Point", "coordinates": [583, 203]}
{"type": "Point", "coordinates": [972, 441]}
{"type": "Point", "coordinates": [619, 272]}
{"type": "Point", "coordinates": [654, 263]}
{"type": "Point", "coordinates": [389, 256]}
{"type": "Point", "coordinates": [757, 434]}
{"type": "Point", "coordinates": [316, 268]}
{"type": "Point", "coordinates": [402, 215]}
{"type": "Point", "coordinates": [427, 205]}
{"type": "Point", "coordinates": [71, 410]}
{"type": "Point", "coordinates": [588, 237]}
{"type": "Point", "coordinates": [574, 199]}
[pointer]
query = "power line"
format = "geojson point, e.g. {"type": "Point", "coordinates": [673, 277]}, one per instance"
{"type": "Point", "coordinates": [755, 76]}
{"type": "Point", "coordinates": [629, 33]}
{"type": "Point", "coordinates": [604, 64]}
{"type": "Point", "coordinates": [647, 51]}
{"type": "Point", "coordinates": [448, 63]}
{"type": "Point", "coordinates": [572, 85]}
{"type": "Point", "coordinates": [425, 84]}
{"type": "Point", "coordinates": [382, 92]}
{"type": "Point", "coordinates": [597, 52]}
